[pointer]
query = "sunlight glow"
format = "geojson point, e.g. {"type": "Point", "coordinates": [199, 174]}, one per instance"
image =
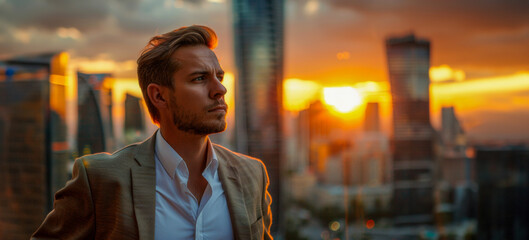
{"type": "Point", "coordinates": [370, 87]}
{"type": "Point", "coordinates": [343, 99]}
{"type": "Point", "coordinates": [102, 65]}
{"type": "Point", "coordinates": [446, 73]}
{"type": "Point", "coordinates": [476, 98]}
{"type": "Point", "coordinates": [298, 94]}
{"type": "Point", "coordinates": [515, 82]}
{"type": "Point", "coordinates": [229, 84]}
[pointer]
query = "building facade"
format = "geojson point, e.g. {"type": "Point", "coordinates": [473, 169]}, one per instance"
{"type": "Point", "coordinates": [258, 39]}
{"type": "Point", "coordinates": [412, 142]}
{"type": "Point", "coordinates": [134, 126]}
{"type": "Point", "coordinates": [95, 132]}
{"type": "Point", "coordinates": [503, 183]}
{"type": "Point", "coordinates": [34, 152]}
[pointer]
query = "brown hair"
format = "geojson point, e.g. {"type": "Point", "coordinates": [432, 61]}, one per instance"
{"type": "Point", "coordinates": [155, 64]}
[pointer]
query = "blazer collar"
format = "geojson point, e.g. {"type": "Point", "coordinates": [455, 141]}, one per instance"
{"type": "Point", "coordinates": [144, 156]}
{"type": "Point", "coordinates": [143, 178]}
{"type": "Point", "coordinates": [232, 185]}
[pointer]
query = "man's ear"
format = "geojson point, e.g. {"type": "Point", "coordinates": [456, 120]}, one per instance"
{"type": "Point", "coordinates": [156, 94]}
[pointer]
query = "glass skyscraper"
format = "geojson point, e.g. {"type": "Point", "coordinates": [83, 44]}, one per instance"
{"type": "Point", "coordinates": [134, 125]}
{"type": "Point", "coordinates": [34, 152]}
{"type": "Point", "coordinates": [258, 29]}
{"type": "Point", "coordinates": [413, 158]}
{"type": "Point", "coordinates": [94, 130]}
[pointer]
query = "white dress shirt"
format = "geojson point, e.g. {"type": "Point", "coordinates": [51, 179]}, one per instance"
{"type": "Point", "coordinates": [178, 213]}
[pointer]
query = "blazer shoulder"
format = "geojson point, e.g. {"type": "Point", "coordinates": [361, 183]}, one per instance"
{"type": "Point", "coordinates": [239, 158]}
{"type": "Point", "coordinates": [124, 155]}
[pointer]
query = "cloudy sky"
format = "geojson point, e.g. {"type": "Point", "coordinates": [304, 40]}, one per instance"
{"type": "Point", "coordinates": [330, 42]}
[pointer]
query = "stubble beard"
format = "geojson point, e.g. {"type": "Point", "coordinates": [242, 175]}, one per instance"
{"type": "Point", "coordinates": [193, 123]}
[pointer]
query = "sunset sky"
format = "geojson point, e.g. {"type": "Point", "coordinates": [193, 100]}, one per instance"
{"type": "Point", "coordinates": [479, 49]}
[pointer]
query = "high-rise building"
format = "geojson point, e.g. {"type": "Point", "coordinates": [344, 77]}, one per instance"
{"type": "Point", "coordinates": [456, 171]}
{"type": "Point", "coordinates": [134, 126]}
{"type": "Point", "coordinates": [503, 192]}
{"type": "Point", "coordinates": [452, 133]}
{"type": "Point", "coordinates": [95, 131]}
{"type": "Point", "coordinates": [34, 152]}
{"type": "Point", "coordinates": [258, 38]}
{"type": "Point", "coordinates": [372, 118]}
{"type": "Point", "coordinates": [455, 167]}
{"type": "Point", "coordinates": [412, 141]}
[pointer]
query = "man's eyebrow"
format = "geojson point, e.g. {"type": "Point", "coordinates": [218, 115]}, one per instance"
{"type": "Point", "coordinates": [204, 72]}
{"type": "Point", "coordinates": [200, 72]}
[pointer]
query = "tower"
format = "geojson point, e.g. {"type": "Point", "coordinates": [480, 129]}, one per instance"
{"type": "Point", "coordinates": [134, 120]}
{"type": "Point", "coordinates": [94, 129]}
{"type": "Point", "coordinates": [412, 141]}
{"type": "Point", "coordinates": [258, 38]}
{"type": "Point", "coordinates": [34, 152]}
{"type": "Point", "coordinates": [372, 118]}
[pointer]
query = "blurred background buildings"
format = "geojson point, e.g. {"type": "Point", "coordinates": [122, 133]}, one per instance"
{"type": "Point", "coordinates": [412, 140]}
{"type": "Point", "coordinates": [258, 43]}
{"type": "Point", "coordinates": [34, 152]}
{"type": "Point", "coordinates": [410, 148]}
{"type": "Point", "coordinates": [95, 132]}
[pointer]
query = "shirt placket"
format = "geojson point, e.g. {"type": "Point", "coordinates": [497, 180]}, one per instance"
{"type": "Point", "coordinates": [183, 178]}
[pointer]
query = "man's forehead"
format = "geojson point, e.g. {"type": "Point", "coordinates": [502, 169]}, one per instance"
{"type": "Point", "coordinates": [193, 52]}
{"type": "Point", "coordinates": [196, 58]}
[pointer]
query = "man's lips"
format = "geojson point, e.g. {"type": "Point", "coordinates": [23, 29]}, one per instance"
{"type": "Point", "coordinates": [219, 108]}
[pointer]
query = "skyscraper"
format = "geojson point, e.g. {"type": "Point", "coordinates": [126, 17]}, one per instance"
{"type": "Point", "coordinates": [503, 192]}
{"type": "Point", "coordinates": [452, 133]}
{"type": "Point", "coordinates": [408, 66]}
{"type": "Point", "coordinates": [258, 38]}
{"type": "Point", "coordinates": [134, 126]}
{"type": "Point", "coordinates": [95, 131]}
{"type": "Point", "coordinates": [372, 118]}
{"type": "Point", "coordinates": [33, 151]}
{"type": "Point", "coordinates": [455, 167]}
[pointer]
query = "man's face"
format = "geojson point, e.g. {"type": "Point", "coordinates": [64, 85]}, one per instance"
{"type": "Point", "coordinates": [197, 101]}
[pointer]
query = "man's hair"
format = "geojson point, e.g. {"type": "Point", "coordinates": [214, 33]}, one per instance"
{"type": "Point", "coordinates": [155, 64]}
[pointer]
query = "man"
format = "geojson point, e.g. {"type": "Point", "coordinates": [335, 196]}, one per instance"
{"type": "Point", "coordinates": [176, 184]}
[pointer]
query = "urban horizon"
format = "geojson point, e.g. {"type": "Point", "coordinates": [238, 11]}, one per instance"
{"type": "Point", "coordinates": [374, 119]}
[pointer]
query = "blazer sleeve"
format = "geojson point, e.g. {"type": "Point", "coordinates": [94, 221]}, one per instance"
{"type": "Point", "coordinates": [73, 214]}
{"type": "Point", "coordinates": [267, 200]}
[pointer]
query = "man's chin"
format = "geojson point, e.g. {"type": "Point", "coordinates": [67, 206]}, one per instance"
{"type": "Point", "coordinates": [221, 128]}
{"type": "Point", "coordinates": [207, 129]}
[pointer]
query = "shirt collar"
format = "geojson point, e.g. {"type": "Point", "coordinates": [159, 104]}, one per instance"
{"type": "Point", "coordinates": [170, 159]}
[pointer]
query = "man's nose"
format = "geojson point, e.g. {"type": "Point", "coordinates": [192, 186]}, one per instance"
{"type": "Point", "coordinates": [218, 90]}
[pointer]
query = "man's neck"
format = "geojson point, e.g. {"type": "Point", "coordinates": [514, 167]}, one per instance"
{"type": "Point", "coordinates": [191, 147]}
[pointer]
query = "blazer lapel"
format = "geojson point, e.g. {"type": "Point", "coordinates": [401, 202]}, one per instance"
{"type": "Point", "coordinates": [143, 178]}
{"type": "Point", "coordinates": [234, 196]}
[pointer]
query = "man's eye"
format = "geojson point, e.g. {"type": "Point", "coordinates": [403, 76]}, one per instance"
{"type": "Point", "coordinates": [201, 78]}
{"type": "Point", "coordinates": [220, 78]}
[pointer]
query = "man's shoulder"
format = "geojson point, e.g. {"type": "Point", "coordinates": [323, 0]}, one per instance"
{"type": "Point", "coordinates": [236, 157]}
{"type": "Point", "coordinates": [122, 156]}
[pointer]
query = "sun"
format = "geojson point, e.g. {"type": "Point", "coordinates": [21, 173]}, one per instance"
{"type": "Point", "coordinates": [342, 99]}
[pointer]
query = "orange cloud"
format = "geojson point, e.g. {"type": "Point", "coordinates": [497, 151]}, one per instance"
{"type": "Point", "coordinates": [495, 95]}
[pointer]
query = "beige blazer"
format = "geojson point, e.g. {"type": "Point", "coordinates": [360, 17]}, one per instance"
{"type": "Point", "coordinates": [113, 196]}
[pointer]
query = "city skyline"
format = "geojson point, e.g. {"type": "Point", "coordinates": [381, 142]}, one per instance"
{"type": "Point", "coordinates": [370, 116]}
{"type": "Point", "coordinates": [478, 50]}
